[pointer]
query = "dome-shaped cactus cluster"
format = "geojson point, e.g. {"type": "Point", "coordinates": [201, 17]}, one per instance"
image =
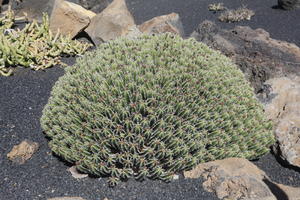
{"type": "Point", "coordinates": [151, 107]}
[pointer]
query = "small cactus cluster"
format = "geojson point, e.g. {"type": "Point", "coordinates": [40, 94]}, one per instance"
{"type": "Point", "coordinates": [34, 46]}
{"type": "Point", "coordinates": [237, 15]}
{"type": "Point", "coordinates": [216, 7]}
{"type": "Point", "coordinates": [151, 107]}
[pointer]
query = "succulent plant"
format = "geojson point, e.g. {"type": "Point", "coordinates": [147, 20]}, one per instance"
{"type": "Point", "coordinates": [237, 15]}
{"type": "Point", "coordinates": [34, 46]}
{"type": "Point", "coordinates": [152, 107]}
{"type": "Point", "coordinates": [216, 7]}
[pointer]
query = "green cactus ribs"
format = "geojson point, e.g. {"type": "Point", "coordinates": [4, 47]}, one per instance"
{"type": "Point", "coordinates": [151, 107]}
{"type": "Point", "coordinates": [34, 46]}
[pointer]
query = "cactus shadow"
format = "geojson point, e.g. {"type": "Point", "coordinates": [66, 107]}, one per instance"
{"type": "Point", "coordinates": [276, 7]}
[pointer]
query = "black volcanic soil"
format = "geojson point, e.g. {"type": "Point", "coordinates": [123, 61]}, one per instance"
{"type": "Point", "coordinates": [23, 96]}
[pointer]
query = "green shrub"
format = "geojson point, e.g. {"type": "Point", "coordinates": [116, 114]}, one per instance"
{"type": "Point", "coordinates": [152, 107]}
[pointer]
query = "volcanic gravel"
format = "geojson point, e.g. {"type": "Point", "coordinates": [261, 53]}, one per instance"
{"type": "Point", "coordinates": [23, 96]}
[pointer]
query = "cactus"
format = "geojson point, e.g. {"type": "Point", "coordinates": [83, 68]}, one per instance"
{"type": "Point", "coordinates": [151, 107]}
{"type": "Point", "coordinates": [237, 15]}
{"type": "Point", "coordinates": [216, 7]}
{"type": "Point", "coordinates": [34, 46]}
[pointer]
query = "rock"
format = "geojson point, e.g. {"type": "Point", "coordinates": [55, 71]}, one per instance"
{"type": "Point", "coordinates": [69, 18]}
{"type": "Point", "coordinates": [75, 173]}
{"type": "Point", "coordinates": [282, 105]}
{"type": "Point", "coordinates": [233, 178]}
{"type": "Point", "coordinates": [161, 24]}
{"type": "Point", "coordinates": [112, 22]}
{"type": "Point", "coordinates": [66, 198]}
{"type": "Point", "coordinates": [238, 178]}
{"type": "Point", "coordinates": [22, 152]}
{"type": "Point", "coordinates": [33, 8]}
{"type": "Point", "coordinates": [289, 4]}
{"type": "Point", "coordinates": [228, 167]}
{"type": "Point", "coordinates": [255, 53]}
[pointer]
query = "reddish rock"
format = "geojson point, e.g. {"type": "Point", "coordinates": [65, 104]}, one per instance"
{"type": "Point", "coordinates": [22, 152]}
{"type": "Point", "coordinates": [238, 178]}
{"type": "Point", "coordinates": [233, 178]}
{"type": "Point", "coordinates": [162, 24]}
{"type": "Point", "coordinates": [69, 18]}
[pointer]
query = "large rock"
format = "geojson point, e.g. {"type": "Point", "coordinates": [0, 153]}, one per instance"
{"type": "Point", "coordinates": [289, 4]}
{"type": "Point", "coordinates": [22, 152]}
{"type": "Point", "coordinates": [69, 18]}
{"type": "Point", "coordinates": [282, 105]}
{"type": "Point", "coordinates": [233, 178]}
{"type": "Point", "coordinates": [162, 24]}
{"type": "Point", "coordinates": [35, 8]}
{"type": "Point", "coordinates": [256, 54]}
{"type": "Point", "coordinates": [112, 22]}
{"type": "Point", "coordinates": [237, 178]}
